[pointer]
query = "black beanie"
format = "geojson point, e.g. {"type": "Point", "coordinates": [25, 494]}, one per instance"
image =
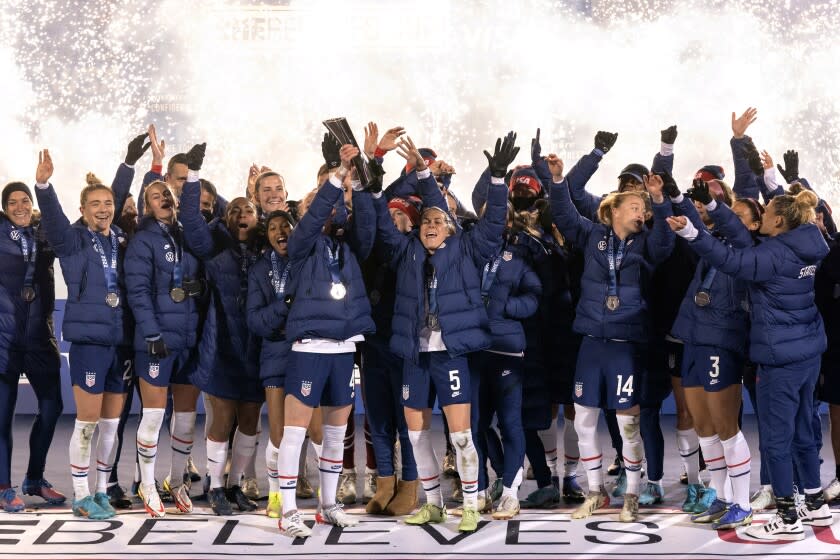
{"type": "Point", "coordinates": [14, 187]}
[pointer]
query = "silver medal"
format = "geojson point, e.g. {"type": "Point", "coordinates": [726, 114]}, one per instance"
{"type": "Point", "coordinates": [338, 291]}
{"type": "Point", "coordinates": [613, 302]}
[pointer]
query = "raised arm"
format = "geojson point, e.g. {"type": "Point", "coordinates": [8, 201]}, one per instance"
{"type": "Point", "coordinates": [730, 225]}
{"type": "Point", "coordinates": [388, 238]}
{"type": "Point", "coordinates": [61, 236]}
{"type": "Point", "coordinates": [197, 233]}
{"type": "Point", "coordinates": [663, 160]}
{"type": "Point", "coordinates": [125, 172]}
{"type": "Point", "coordinates": [563, 211]}
{"type": "Point", "coordinates": [586, 202]}
{"type": "Point", "coordinates": [362, 233]}
{"type": "Point", "coordinates": [660, 242]}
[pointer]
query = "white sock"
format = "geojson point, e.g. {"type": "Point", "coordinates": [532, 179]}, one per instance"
{"type": "Point", "coordinates": [243, 451]}
{"type": "Point", "coordinates": [571, 451]}
{"type": "Point", "coordinates": [147, 443]}
{"type": "Point", "coordinates": [80, 443]}
{"type": "Point", "coordinates": [688, 445]}
{"type": "Point", "coordinates": [288, 455]}
{"type": "Point", "coordinates": [427, 465]}
{"type": "Point", "coordinates": [106, 451]}
{"type": "Point", "coordinates": [216, 459]}
{"type": "Point", "coordinates": [181, 435]}
{"type": "Point", "coordinates": [736, 451]}
{"type": "Point", "coordinates": [549, 441]}
{"type": "Point", "coordinates": [715, 463]}
{"type": "Point", "coordinates": [251, 466]}
{"type": "Point", "coordinates": [330, 462]}
{"type": "Point", "coordinates": [586, 426]}
{"type": "Point", "coordinates": [271, 453]}
{"type": "Point", "coordinates": [633, 450]}
{"type": "Point", "coordinates": [466, 460]}
{"type": "Point", "coordinates": [513, 491]}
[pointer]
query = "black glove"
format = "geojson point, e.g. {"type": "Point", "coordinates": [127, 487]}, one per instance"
{"type": "Point", "coordinates": [503, 155]}
{"type": "Point", "coordinates": [195, 157]}
{"type": "Point", "coordinates": [375, 184]}
{"type": "Point", "coordinates": [156, 347]}
{"type": "Point", "coordinates": [605, 140]}
{"type": "Point", "coordinates": [136, 149]}
{"type": "Point", "coordinates": [669, 135]}
{"type": "Point", "coordinates": [791, 169]}
{"type": "Point", "coordinates": [669, 186]}
{"type": "Point", "coordinates": [754, 161]}
{"type": "Point", "coordinates": [536, 149]}
{"type": "Point", "coordinates": [700, 192]}
{"type": "Point", "coordinates": [330, 147]}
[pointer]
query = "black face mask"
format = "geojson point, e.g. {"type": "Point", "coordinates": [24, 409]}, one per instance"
{"type": "Point", "coordinates": [522, 203]}
{"type": "Point", "coordinates": [208, 215]}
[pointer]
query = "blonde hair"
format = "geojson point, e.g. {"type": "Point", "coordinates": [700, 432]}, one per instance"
{"type": "Point", "coordinates": [450, 225]}
{"type": "Point", "coordinates": [616, 199]}
{"type": "Point", "coordinates": [797, 209]}
{"type": "Point", "coordinates": [93, 184]}
{"type": "Point", "coordinates": [156, 183]}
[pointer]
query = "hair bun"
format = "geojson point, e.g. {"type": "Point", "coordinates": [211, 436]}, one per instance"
{"type": "Point", "coordinates": [806, 199]}
{"type": "Point", "coordinates": [92, 179]}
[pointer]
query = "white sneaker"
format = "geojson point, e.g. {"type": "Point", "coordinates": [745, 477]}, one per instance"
{"type": "Point", "coordinates": [292, 525]}
{"type": "Point", "coordinates": [346, 493]}
{"type": "Point", "coordinates": [763, 499]}
{"type": "Point", "coordinates": [151, 500]}
{"type": "Point", "coordinates": [370, 485]}
{"type": "Point", "coordinates": [820, 517]}
{"type": "Point", "coordinates": [250, 488]}
{"type": "Point", "coordinates": [508, 508]}
{"type": "Point", "coordinates": [832, 491]}
{"type": "Point", "coordinates": [334, 515]}
{"type": "Point", "coordinates": [776, 529]}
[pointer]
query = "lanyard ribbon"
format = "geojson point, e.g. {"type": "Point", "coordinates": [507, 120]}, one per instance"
{"type": "Point", "coordinates": [614, 259]}
{"type": "Point", "coordinates": [23, 237]}
{"type": "Point", "coordinates": [488, 276]}
{"type": "Point", "coordinates": [178, 270]}
{"type": "Point", "coordinates": [431, 290]}
{"type": "Point", "coordinates": [708, 278]}
{"type": "Point", "coordinates": [333, 261]}
{"type": "Point", "coordinates": [278, 280]}
{"type": "Point", "coordinates": [110, 269]}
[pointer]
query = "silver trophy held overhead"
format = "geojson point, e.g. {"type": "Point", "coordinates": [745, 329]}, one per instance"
{"type": "Point", "coordinates": [341, 130]}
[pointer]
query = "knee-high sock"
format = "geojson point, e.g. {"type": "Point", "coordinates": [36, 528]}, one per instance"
{"type": "Point", "coordinates": [80, 443]}
{"type": "Point", "coordinates": [586, 426]}
{"type": "Point", "coordinates": [370, 454]}
{"type": "Point", "coordinates": [571, 451]}
{"type": "Point", "coordinates": [549, 441]}
{"type": "Point", "coordinates": [181, 435]}
{"type": "Point", "coordinates": [330, 462]}
{"type": "Point", "coordinates": [466, 459]}
{"type": "Point", "coordinates": [736, 451]}
{"type": "Point", "coordinates": [271, 455]}
{"type": "Point", "coordinates": [632, 449]}
{"type": "Point", "coordinates": [288, 455]}
{"type": "Point", "coordinates": [251, 466]}
{"type": "Point", "coordinates": [147, 443]}
{"type": "Point", "coordinates": [216, 459]}
{"type": "Point", "coordinates": [106, 450]}
{"type": "Point", "coordinates": [716, 463]}
{"type": "Point", "coordinates": [349, 445]}
{"type": "Point", "coordinates": [688, 445]}
{"type": "Point", "coordinates": [243, 451]}
{"type": "Point", "coordinates": [427, 465]}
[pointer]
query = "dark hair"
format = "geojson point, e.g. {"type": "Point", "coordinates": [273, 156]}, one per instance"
{"type": "Point", "coordinates": [209, 187]}
{"type": "Point", "coordinates": [266, 175]}
{"type": "Point", "coordinates": [756, 209]}
{"type": "Point", "coordinates": [175, 160]}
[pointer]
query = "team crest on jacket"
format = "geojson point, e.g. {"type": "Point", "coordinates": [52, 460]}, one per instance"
{"type": "Point", "coordinates": [507, 256]}
{"type": "Point", "coordinates": [405, 392]}
{"type": "Point", "coordinates": [602, 245]}
{"type": "Point", "coordinates": [154, 370]}
{"type": "Point", "coordinates": [15, 235]}
{"type": "Point", "coordinates": [305, 388]}
{"type": "Point", "coordinates": [170, 257]}
{"type": "Point", "coordinates": [90, 378]}
{"type": "Point", "coordinates": [579, 389]}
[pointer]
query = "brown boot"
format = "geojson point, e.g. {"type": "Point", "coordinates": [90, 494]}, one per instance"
{"type": "Point", "coordinates": [384, 493]}
{"type": "Point", "coordinates": [405, 500]}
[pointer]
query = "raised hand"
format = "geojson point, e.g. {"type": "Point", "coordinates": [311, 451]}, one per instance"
{"type": "Point", "coordinates": [536, 148]}
{"type": "Point", "coordinates": [766, 160]}
{"type": "Point", "coordinates": [136, 149]}
{"type": "Point", "coordinates": [555, 166]}
{"type": "Point", "coordinates": [676, 223]}
{"type": "Point", "coordinates": [791, 169]}
{"type": "Point", "coordinates": [503, 155]}
{"type": "Point", "coordinates": [371, 139]}
{"type": "Point", "coordinates": [195, 157]}
{"type": "Point", "coordinates": [669, 185]}
{"type": "Point", "coordinates": [45, 167]}
{"type": "Point", "coordinates": [347, 153]}
{"type": "Point", "coordinates": [654, 185]}
{"type": "Point", "coordinates": [700, 192]}
{"type": "Point", "coordinates": [390, 138]}
{"type": "Point", "coordinates": [605, 140]}
{"type": "Point", "coordinates": [330, 148]}
{"type": "Point", "coordinates": [669, 135]}
{"type": "Point", "coordinates": [408, 151]}
{"type": "Point", "coordinates": [158, 148]}
{"type": "Point", "coordinates": [742, 123]}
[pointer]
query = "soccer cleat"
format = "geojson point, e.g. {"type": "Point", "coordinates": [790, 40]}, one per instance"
{"type": "Point", "coordinates": [469, 520]}
{"type": "Point", "coordinates": [334, 515]}
{"type": "Point", "coordinates": [192, 471]}
{"type": "Point", "coordinates": [818, 517]}
{"type": "Point", "coordinates": [763, 499]}
{"type": "Point", "coordinates": [832, 491]}
{"type": "Point", "coordinates": [495, 490]}
{"type": "Point", "coordinates": [508, 508]}
{"type": "Point", "coordinates": [219, 502]}
{"type": "Point", "coordinates": [594, 501]}
{"type": "Point", "coordinates": [346, 493]}
{"type": "Point", "coordinates": [707, 498]}
{"type": "Point", "coordinates": [485, 504]}
{"type": "Point", "coordinates": [572, 492]}
{"type": "Point", "coordinates": [777, 530]}
{"type": "Point", "coordinates": [693, 494]}
{"type": "Point", "coordinates": [88, 508]}
{"type": "Point", "coordinates": [620, 484]}
{"type": "Point", "coordinates": [274, 509]}
{"type": "Point", "coordinates": [734, 517]}
{"type": "Point", "coordinates": [41, 487]}
{"type": "Point", "coordinates": [304, 489]}
{"type": "Point", "coordinates": [370, 485]}
{"type": "Point", "coordinates": [250, 488]}
{"type": "Point", "coordinates": [238, 497]}
{"type": "Point", "coordinates": [119, 499]}
{"type": "Point", "coordinates": [715, 512]}
{"type": "Point", "coordinates": [630, 509]}
{"type": "Point", "coordinates": [101, 499]}
{"type": "Point", "coordinates": [613, 469]}
{"type": "Point", "coordinates": [292, 525]}
{"type": "Point", "coordinates": [10, 501]}
{"type": "Point", "coordinates": [181, 497]}
{"type": "Point", "coordinates": [449, 468]}
{"type": "Point", "coordinates": [652, 494]}
{"type": "Point", "coordinates": [542, 498]}
{"type": "Point", "coordinates": [151, 500]}
{"type": "Point", "coordinates": [428, 513]}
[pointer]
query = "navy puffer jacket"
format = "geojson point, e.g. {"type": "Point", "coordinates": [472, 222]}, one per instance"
{"type": "Point", "coordinates": [462, 316]}
{"type": "Point", "coordinates": [643, 251]}
{"type": "Point", "coordinates": [87, 318]}
{"type": "Point", "coordinates": [149, 276]}
{"type": "Point", "coordinates": [267, 315]}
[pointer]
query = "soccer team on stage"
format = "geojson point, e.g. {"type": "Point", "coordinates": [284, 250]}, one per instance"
{"type": "Point", "coordinates": [549, 296]}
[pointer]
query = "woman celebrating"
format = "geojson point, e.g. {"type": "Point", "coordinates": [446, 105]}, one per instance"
{"type": "Point", "coordinates": [612, 313]}
{"type": "Point", "coordinates": [163, 281]}
{"type": "Point", "coordinates": [96, 323]}
{"type": "Point", "coordinates": [786, 341]}
{"type": "Point", "coordinates": [27, 342]}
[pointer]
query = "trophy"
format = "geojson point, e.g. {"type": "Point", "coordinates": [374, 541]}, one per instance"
{"type": "Point", "coordinates": [341, 130]}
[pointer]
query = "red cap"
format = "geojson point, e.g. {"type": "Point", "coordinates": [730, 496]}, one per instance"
{"type": "Point", "coordinates": [407, 208]}
{"type": "Point", "coordinates": [527, 180]}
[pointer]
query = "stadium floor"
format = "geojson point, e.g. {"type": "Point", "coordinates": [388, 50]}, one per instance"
{"type": "Point", "coordinates": [661, 532]}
